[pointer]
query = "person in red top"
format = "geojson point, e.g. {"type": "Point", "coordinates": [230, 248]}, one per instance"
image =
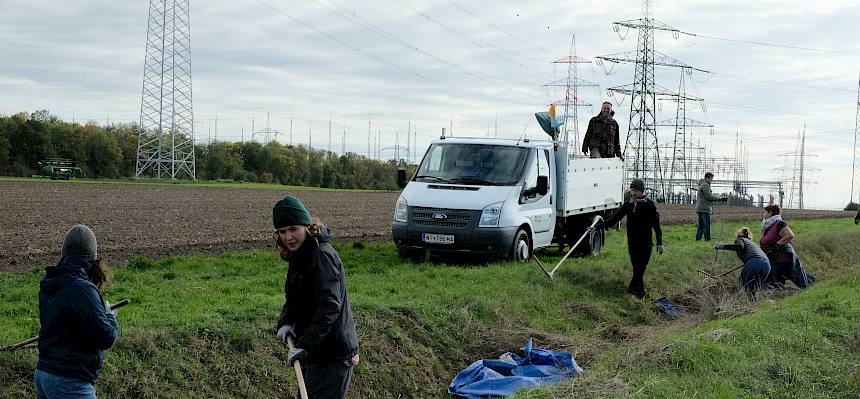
{"type": "Point", "coordinates": [775, 240]}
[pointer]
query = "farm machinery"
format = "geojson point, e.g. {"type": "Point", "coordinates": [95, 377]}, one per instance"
{"type": "Point", "coordinates": [57, 169]}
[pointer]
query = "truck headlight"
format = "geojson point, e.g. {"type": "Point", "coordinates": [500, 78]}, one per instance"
{"type": "Point", "coordinates": [401, 210]}
{"type": "Point", "coordinates": [491, 214]}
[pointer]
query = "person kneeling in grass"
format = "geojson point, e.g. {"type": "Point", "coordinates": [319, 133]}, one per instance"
{"type": "Point", "coordinates": [77, 324]}
{"type": "Point", "coordinates": [316, 310]}
{"type": "Point", "coordinates": [756, 266]}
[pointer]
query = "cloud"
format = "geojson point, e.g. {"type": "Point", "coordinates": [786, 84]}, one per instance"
{"type": "Point", "coordinates": [434, 63]}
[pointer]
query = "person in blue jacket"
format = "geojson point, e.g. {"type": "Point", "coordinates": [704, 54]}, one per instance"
{"type": "Point", "coordinates": [77, 325]}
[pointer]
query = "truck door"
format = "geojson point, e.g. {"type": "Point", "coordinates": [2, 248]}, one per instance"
{"type": "Point", "coordinates": [539, 208]}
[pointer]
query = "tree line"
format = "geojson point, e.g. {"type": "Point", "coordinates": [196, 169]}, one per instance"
{"type": "Point", "coordinates": [111, 152]}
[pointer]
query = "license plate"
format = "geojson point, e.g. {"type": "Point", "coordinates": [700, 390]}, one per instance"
{"type": "Point", "coordinates": [437, 238]}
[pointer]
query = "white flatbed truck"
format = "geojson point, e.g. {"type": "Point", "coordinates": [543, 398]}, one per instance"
{"type": "Point", "coordinates": [503, 198]}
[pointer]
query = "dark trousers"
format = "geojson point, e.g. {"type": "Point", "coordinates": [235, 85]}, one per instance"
{"type": "Point", "coordinates": [327, 381]}
{"type": "Point", "coordinates": [754, 274]}
{"type": "Point", "coordinates": [639, 257]}
{"type": "Point", "coordinates": [704, 226]}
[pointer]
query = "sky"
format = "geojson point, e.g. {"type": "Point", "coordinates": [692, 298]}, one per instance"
{"type": "Point", "coordinates": [476, 68]}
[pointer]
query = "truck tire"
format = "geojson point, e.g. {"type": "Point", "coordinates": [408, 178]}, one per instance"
{"type": "Point", "coordinates": [414, 255]}
{"type": "Point", "coordinates": [521, 249]}
{"type": "Point", "coordinates": [595, 242]}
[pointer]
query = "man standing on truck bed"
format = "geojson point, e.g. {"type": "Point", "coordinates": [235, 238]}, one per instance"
{"type": "Point", "coordinates": [642, 217]}
{"type": "Point", "coordinates": [601, 138]}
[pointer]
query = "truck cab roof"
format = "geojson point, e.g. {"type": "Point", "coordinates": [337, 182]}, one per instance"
{"type": "Point", "coordinates": [524, 142]}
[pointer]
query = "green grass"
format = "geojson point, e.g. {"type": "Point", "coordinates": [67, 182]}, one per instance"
{"type": "Point", "coordinates": [203, 326]}
{"type": "Point", "coordinates": [180, 182]}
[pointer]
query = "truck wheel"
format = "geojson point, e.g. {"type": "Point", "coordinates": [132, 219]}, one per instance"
{"type": "Point", "coordinates": [595, 242]}
{"type": "Point", "coordinates": [521, 250]}
{"type": "Point", "coordinates": [413, 255]}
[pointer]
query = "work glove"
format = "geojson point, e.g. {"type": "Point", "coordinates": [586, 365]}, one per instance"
{"type": "Point", "coordinates": [719, 245]}
{"type": "Point", "coordinates": [296, 354]}
{"type": "Point", "coordinates": [660, 249]}
{"type": "Point", "coordinates": [856, 220]}
{"type": "Point", "coordinates": [284, 331]}
{"type": "Point", "coordinates": [108, 309]}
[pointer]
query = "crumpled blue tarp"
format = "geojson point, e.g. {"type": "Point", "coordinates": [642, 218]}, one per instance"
{"type": "Point", "coordinates": [504, 376]}
{"type": "Point", "coordinates": [666, 308]}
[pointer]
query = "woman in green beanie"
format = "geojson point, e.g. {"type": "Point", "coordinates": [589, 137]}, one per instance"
{"type": "Point", "coordinates": [316, 311]}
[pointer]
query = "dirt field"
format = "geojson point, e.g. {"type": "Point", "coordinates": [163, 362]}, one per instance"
{"type": "Point", "coordinates": [158, 221]}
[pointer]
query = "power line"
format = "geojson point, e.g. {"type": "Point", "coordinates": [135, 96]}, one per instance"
{"type": "Point", "coordinates": [384, 61]}
{"type": "Point", "coordinates": [486, 46]}
{"type": "Point", "coordinates": [471, 14]}
{"type": "Point", "coordinates": [394, 38]}
{"type": "Point", "coordinates": [757, 43]}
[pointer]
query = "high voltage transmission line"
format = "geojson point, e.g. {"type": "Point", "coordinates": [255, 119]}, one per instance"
{"type": "Point", "coordinates": [394, 65]}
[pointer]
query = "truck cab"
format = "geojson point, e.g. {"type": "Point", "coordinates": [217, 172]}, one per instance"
{"type": "Point", "coordinates": [496, 198]}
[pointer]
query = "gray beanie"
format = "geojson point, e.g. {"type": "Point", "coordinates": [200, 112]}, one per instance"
{"type": "Point", "coordinates": [81, 242]}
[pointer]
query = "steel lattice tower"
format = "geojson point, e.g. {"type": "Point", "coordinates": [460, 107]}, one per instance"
{"type": "Point", "coordinates": [641, 148]}
{"type": "Point", "coordinates": [571, 101]}
{"type": "Point", "coordinates": [166, 139]}
{"type": "Point", "coordinates": [680, 166]}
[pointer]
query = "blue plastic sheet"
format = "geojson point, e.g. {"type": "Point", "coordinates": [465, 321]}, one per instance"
{"type": "Point", "coordinates": [503, 377]}
{"type": "Point", "coordinates": [666, 308]}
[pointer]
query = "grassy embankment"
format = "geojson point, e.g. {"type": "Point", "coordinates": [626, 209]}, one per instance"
{"type": "Point", "coordinates": [202, 327]}
{"type": "Point", "coordinates": [180, 182]}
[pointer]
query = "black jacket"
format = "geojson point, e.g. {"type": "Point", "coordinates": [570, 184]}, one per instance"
{"type": "Point", "coordinates": [317, 304]}
{"type": "Point", "coordinates": [76, 329]}
{"type": "Point", "coordinates": [603, 134]}
{"type": "Point", "coordinates": [642, 217]}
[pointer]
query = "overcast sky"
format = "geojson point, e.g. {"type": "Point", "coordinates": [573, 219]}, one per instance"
{"type": "Point", "coordinates": [463, 63]}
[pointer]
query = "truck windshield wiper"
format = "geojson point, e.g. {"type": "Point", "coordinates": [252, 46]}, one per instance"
{"type": "Point", "coordinates": [474, 180]}
{"type": "Point", "coordinates": [438, 179]}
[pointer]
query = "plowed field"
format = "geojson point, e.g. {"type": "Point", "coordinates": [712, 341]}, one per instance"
{"type": "Point", "coordinates": [159, 221]}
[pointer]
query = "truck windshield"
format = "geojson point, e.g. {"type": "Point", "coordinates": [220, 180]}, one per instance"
{"type": "Point", "coordinates": [478, 164]}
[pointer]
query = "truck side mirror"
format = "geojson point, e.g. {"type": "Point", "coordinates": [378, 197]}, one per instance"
{"type": "Point", "coordinates": [401, 178]}
{"type": "Point", "coordinates": [542, 185]}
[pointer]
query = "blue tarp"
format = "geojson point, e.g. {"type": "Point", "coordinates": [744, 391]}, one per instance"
{"type": "Point", "coordinates": [666, 308]}
{"type": "Point", "coordinates": [504, 376]}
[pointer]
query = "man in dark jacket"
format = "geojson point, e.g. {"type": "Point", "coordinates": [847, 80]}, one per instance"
{"type": "Point", "coordinates": [77, 325]}
{"type": "Point", "coordinates": [704, 206]}
{"type": "Point", "coordinates": [642, 218]}
{"type": "Point", "coordinates": [316, 310]}
{"type": "Point", "coordinates": [601, 138]}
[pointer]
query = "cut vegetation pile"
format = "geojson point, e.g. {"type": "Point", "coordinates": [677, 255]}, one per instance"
{"type": "Point", "coordinates": [203, 326]}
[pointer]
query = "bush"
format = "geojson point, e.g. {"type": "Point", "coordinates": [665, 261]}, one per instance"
{"type": "Point", "coordinates": [852, 206]}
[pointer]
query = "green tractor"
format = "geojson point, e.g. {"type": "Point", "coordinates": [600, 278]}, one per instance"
{"type": "Point", "coordinates": [58, 169]}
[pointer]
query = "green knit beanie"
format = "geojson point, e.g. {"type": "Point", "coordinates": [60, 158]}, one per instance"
{"type": "Point", "coordinates": [638, 184]}
{"type": "Point", "coordinates": [290, 211]}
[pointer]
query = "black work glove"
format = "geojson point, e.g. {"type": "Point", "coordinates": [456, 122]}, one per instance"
{"type": "Point", "coordinates": [296, 354]}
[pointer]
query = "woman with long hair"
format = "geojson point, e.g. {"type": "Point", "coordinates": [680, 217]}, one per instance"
{"type": "Point", "coordinates": [77, 324]}
{"type": "Point", "coordinates": [316, 310]}
{"type": "Point", "coordinates": [775, 240]}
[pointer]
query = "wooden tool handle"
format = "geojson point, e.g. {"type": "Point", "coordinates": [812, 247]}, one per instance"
{"type": "Point", "coordinates": [303, 391]}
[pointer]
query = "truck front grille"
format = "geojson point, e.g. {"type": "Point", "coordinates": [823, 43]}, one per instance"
{"type": "Point", "coordinates": [456, 218]}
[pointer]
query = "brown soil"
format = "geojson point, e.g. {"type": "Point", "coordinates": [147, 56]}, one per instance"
{"type": "Point", "coordinates": [155, 221]}
{"type": "Point", "coordinates": [133, 220]}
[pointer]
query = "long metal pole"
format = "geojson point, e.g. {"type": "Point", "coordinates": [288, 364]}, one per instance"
{"type": "Point", "coordinates": [854, 152]}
